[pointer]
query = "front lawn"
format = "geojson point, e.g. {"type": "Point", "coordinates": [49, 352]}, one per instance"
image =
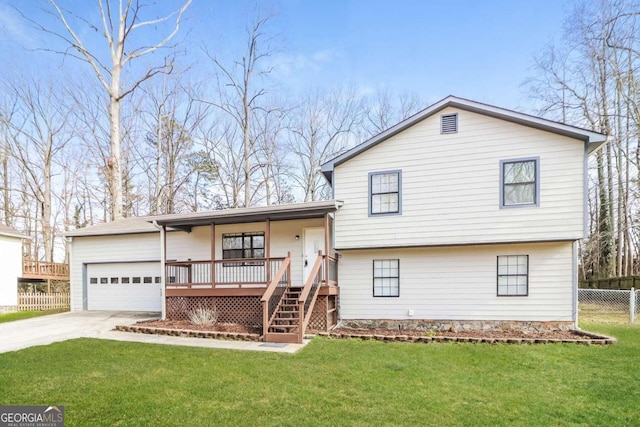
{"type": "Point", "coordinates": [332, 382]}
{"type": "Point", "coordinates": [19, 315]}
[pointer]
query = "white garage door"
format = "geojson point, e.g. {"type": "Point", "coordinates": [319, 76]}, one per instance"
{"type": "Point", "coordinates": [132, 286]}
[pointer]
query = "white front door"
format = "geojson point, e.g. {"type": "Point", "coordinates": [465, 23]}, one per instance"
{"type": "Point", "coordinates": [313, 242]}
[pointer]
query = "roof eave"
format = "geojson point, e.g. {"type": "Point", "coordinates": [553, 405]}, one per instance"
{"type": "Point", "coordinates": [77, 233]}
{"type": "Point", "coordinates": [593, 146]}
{"type": "Point", "coordinates": [16, 235]}
{"type": "Point", "coordinates": [238, 217]}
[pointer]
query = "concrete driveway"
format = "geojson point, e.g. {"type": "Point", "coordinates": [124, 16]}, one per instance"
{"type": "Point", "coordinates": [64, 326]}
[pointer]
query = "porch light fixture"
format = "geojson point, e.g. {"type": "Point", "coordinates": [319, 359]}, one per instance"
{"type": "Point", "coordinates": [297, 237]}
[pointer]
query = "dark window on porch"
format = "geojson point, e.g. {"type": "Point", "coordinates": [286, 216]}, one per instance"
{"type": "Point", "coordinates": [243, 245]}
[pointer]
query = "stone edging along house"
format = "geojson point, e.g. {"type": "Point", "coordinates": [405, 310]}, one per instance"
{"type": "Point", "coordinates": [464, 212]}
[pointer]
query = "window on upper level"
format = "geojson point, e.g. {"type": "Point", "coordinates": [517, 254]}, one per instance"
{"type": "Point", "coordinates": [520, 182]}
{"type": "Point", "coordinates": [385, 192]}
{"type": "Point", "coordinates": [513, 275]}
{"type": "Point", "coordinates": [386, 277]}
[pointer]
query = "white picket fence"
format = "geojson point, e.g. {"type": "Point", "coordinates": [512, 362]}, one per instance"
{"type": "Point", "coordinates": [608, 305]}
{"type": "Point", "coordinates": [39, 301]}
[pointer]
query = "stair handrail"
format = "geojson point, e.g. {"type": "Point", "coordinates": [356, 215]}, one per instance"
{"type": "Point", "coordinates": [285, 267]}
{"type": "Point", "coordinates": [309, 294]}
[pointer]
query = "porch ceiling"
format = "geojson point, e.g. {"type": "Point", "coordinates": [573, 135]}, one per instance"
{"type": "Point", "coordinates": [253, 214]}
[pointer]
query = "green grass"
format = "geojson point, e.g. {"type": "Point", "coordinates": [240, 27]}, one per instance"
{"type": "Point", "coordinates": [332, 382]}
{"type": "Point", "coordinates": [19, 315]}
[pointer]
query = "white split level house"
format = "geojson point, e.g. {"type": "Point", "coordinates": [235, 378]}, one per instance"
{"type": "Point", "coordinates": [464, 212]}
{"type": "Point", "coordinates": [11, 262]}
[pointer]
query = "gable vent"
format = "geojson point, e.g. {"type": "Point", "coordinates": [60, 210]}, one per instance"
{"type": "Point", "coordinates": [449, 123]}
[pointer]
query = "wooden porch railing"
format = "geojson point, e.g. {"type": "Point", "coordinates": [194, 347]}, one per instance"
{"type": "Point", "coordinates": [34, 269]}
{"type": "Point", "coordinates": [273, 294]}
{"type": "Point", "coordinates": [229, 273]}
{"type": "Point", "coordinates": [310, 293]}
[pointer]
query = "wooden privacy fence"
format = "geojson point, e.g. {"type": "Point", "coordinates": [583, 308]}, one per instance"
{"type": "Point", "coordinates": [627, 282]}
{"type": "Point", "coordinates": [38, 301]}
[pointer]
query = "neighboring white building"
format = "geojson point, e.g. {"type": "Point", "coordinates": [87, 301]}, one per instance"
{"type": "Point", "coordinates": [11, 262]}
{"type": "Point", "coordinates": [464, 211]}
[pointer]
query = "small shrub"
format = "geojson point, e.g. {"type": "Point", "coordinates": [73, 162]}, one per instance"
{"type": "Point", "coordinates": [203, 316]}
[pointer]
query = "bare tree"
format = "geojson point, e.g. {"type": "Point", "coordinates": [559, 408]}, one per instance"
{"type": "Point", "coordinates": [119, 24]}
{"type": "Point", "coordinates": [240, 94]}
{"type": "Point", "coordinates": [40, 133]}
{"type": "Point", "coordinates": [217, 163]}
{"type": "Point", "coordinates": [8, 110]}
{"type": "Point", "coordinates": [322, 127]}
{"type": "Point", "coordinates": [590, 79]}
{"type": "Point", "coordinates": [382, 111]}
{"type": "Point", "coordinates": [271, 155]}
{"type": "Point", "coordinates": [171, 115]}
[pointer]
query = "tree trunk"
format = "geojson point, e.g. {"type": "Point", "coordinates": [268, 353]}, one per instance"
{"type": "Point", "coordinates": [114, 166]}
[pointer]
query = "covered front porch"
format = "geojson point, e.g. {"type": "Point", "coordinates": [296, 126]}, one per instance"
{"type": "Point", "coordinates": [270, 267]}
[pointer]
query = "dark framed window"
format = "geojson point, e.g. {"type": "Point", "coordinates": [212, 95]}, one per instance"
{"type": "Point", "coordinates": [104, 280]}
{"type": "Point", "coordinates": [115, 280]}
{"type": "Point", "coordinates": [513, 275]}
{"type": "Point", "coordinates": [93, 281]}
{"type": "Point", "coordinates": [385, 193]}
{"type": "Point", "coordinates": [243, 245]}
{"type": "Point", "coordinates": [386, 277]}
{"type": "Point", "coordinates": [157, 279]}
{"type": "Point", "coordinates": [135, 280]}
{"type": "Point", "coordinates": [148, 279]}
{"type": "Point", "coordinates": [520, 182]}
{"type": "Point", "coordinates": [125, 280]}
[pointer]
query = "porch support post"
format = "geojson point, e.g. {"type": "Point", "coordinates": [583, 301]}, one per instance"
{"type": "Point", "coordinates": [213, 254]}
{"type": "Point", "coordinates": [163, 270]}
{"type": "Point", "coordinates": [267, 249]}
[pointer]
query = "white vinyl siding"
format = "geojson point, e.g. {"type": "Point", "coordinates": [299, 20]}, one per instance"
{"type": "Point", "coordinates": [451, 186]}
{"type": "Point", "coordinates": [109, 249]}
{"type": "Point", "coordinates": [459, 283]}
{"type": "Point", "coordinates": [11, 262]}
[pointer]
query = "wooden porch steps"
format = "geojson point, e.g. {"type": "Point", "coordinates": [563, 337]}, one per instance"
{"type": "Point", "coordinates": [285, 323]}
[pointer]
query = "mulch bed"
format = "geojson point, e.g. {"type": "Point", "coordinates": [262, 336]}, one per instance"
{"type": "Point", "coordinates": [491, 337]}
{"type": "Point", "coordinates": [184, 328]}
{"type": "Point", "coordinates": [216, 327]}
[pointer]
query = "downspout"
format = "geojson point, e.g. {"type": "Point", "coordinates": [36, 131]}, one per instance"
{"type": "Point", "coordinates": [163, 261]}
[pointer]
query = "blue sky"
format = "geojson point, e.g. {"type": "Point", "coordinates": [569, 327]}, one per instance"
{"type": "Point", "coordinates": [480, 50]}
